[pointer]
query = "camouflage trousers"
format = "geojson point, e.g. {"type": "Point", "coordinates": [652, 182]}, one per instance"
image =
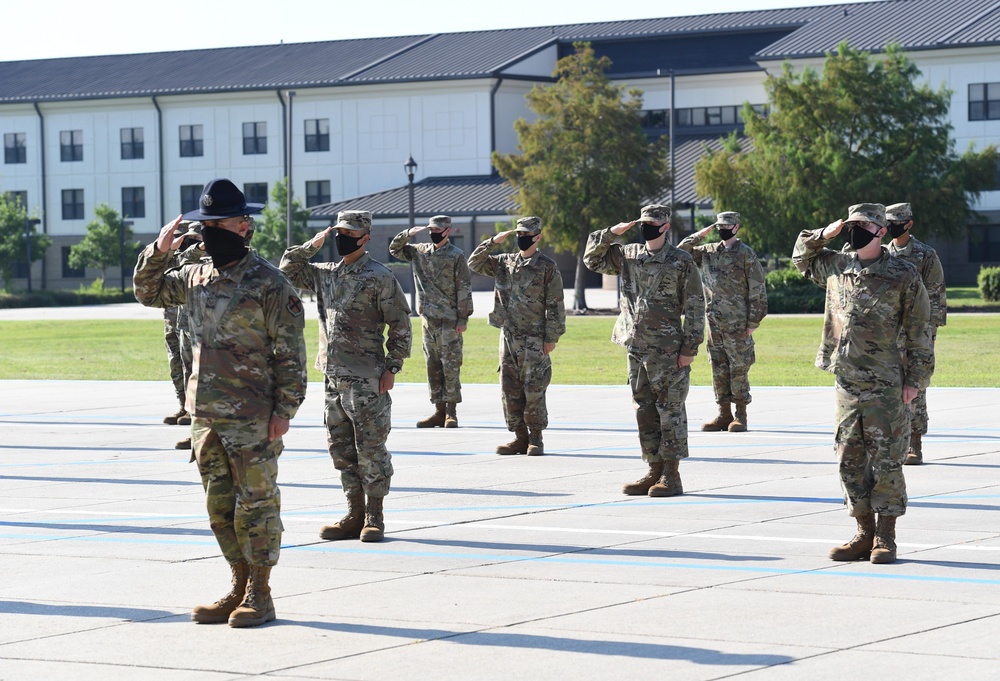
{"type": "Point", "coordinates": [659, 390]}
{"type": "Point", "coordinates": [171, 338]}
{"type": "Point", "coordinates": [358, 420]}
{"type": "Point", "coordinates": [873, 433]}
{"type": "Point", "coordinates": [731, 356]}
{"type": "Point", "coordinates": [525, 374]}
{"type": "Point", "coordinates": [239, 471]}
{"type": "Point", "coordinates": [443, 350]}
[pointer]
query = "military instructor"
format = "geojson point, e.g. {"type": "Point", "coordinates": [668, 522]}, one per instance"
{"type": "Point", "coordinates": [247, 381]}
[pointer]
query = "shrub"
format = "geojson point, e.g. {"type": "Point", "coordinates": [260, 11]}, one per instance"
{"type": "Point", "coordinates": [85, 296]}
{"type": "Point", "coordinates": [989, 283]}
{"type": "Point", "coordinates": [788, 292]}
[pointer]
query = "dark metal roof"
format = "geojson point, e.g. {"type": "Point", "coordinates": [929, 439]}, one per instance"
{"type": "Point", "coordinates": [454, 196]}
{"type": "Point", "coordinates": [916, 24]}
{"type": "Point", "coordinates": [686, 154]}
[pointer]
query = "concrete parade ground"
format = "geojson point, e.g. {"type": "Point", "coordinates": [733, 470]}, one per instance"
{"type": "Point", "coordinates": [498, 567]}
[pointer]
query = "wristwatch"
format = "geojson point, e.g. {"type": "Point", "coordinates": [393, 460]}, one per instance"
{"type": "Point", "coordinates": [394, 370]}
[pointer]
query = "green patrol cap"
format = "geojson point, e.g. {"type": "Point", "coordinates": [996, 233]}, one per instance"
{"type": "Point", "coordinates": [899, 212]}
{"type": "Point", "coordinates": [354, 219]}
{"type": "Point", "coordinates": [867, 212]}
{"type": "Point", "coordinates": [655, 213]}
{"type": "Point", "coordinates": [529, 225]}
{"type": "Point", "coordinates": [727, 218]}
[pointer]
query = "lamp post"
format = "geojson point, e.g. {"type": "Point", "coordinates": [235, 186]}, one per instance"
{"type": "Point", "coordinates": [29, 224]}
{"type": "Point", "coordinates": [411, 168]}
{"type": "Point", "coordinates": [121, 248]}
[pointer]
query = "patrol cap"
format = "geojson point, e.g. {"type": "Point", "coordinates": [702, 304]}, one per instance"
{"type": "Point", "coordinates": [187, 227]}
{"type": "Point", "coordinates": [354, 219]}
{"type": "Point", "coordinates": [222, 199]}
{"type": "Point", "coordinates": [899, 212]}
{"type": "Point", "coordinates": [655, 213]}
{"type": "Point", "coordinates": [439, 222]}
{"type": "Point", "coordinates": [727, 218]}
{"type": "Point", "coordinates": [867, 212]}
{"type": "Point", "coordinates": [529, 225]}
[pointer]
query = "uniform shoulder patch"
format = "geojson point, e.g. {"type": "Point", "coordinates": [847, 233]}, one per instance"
{"type": "Point", "coordinates": [294, 305]}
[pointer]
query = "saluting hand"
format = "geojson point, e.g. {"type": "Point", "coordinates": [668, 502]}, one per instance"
{"type": "Point", "coordinates": [412, 231]}
{"type": "Point", "coordinates": [166, 241]}
{"type": "Point", "coordinates": [499, 238]}
{"type": "Point", "coordinates": [832, 229]}
{"type": "Point", "coordinates": [622, 227]}
{"type": "Point", "coordinates": [318, 240]}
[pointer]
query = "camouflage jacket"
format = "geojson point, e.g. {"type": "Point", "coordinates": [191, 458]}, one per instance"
{"type": "Point", "coordinates": [191, 256]}
{"type": "Point", "coordinates": [867, 308]}
{"type": "Point", "coordinates": [246, 333]}
{"type": "Point", "coordinates": [444, 283]}
{"type": "Point", "coordinates": [735, 296]}
{"type": "Point", "coordinates": [356, 303]}
{"type": "Point", "coordinates": [928, 264]}
{"type": "Point", "coordinates": [528, 298]}
{"type": "Point", "coordinates": [658, 289]}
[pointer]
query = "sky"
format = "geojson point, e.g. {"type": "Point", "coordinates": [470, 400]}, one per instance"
{"type": "Point", "coordinates": [71, 28]}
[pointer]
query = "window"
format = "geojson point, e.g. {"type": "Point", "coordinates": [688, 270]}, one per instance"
{"type": "Point", "coordinates": [318, 134]}
{"type": "Point", "coordinates": [984, 243]}
{"type": "Point", "coordinates": [190, 197]}
{"type": "Point", "coordinates": [317, 193]}
{"type": "Point", "coordinates": [72, 204]}
{"type": "Point", "coordinates": [20, 269]}
{"type": "Point", "coordinates": [133, 202]}
{"type": "Point", "coordinates": [71, 145]}
{"type": "Point", "coordinates": [67, 271]}
{"type": "Point", "coordinates": [984, 101]}
{"type": "Point", "coordinates": [255, 192]}
{"type": "Point", "coordinates": [132, 145]}
{"type": "Point", "coordinates": [192, 143]}
{"type": "Point", "coordinates": [254, 138]}
{"type": "Point", "coordinates": [17, 197]}
{"type": "Point", "coordinates": [14, 149]}
{"type": "Point", "coordinates": [709, 116]}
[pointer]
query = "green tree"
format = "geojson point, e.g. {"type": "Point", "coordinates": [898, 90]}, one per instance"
{"type": "Point", "coordinates": [585, 162]}
{"type": "Point", "coordinates": [863, 130]}
{"type": "Point", "coordinates": [13, 222]}
{"type": "Point", "coordinates": [101, 247]}
{"type": "Point", "coordinates": [271, 236]}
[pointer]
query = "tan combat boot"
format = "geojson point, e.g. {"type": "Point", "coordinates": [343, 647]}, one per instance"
{"type": "Point", "coordinates": [374, 524]}
{"type": "Point", "coordinates": [860, 546]}
{"type": "Point", "coordinates": [885, 540]}
{"type": "Point", "coordinates": [348, 527]}
{"type": "Point", "coordinates": [722, 421]}
{"type": "Point", "coordinates": [519, 445]}
{"type": "Point", "coordinates": [739, 424]}
{"type": "Point", "coordinates": [172, 419]}
{"type": "Point", "coordinates": [915, 455]}
{"type": "Point", "coordinates": [435, 420]}
{"type": "Point", "coordinates": [184, 419]}
{"type": "Point", "coordinates": [183, 444]}
{"type": "Point", "coordinates": [450, 418]}
{"type": "Point", "coordinates": [535, 446]}
{"type": "Point", "coordinates": [220, 611]}
{"type": "Point", "coordinates": [257, 606]}
{"type": "Point", "coordinates": [669, 484]}
{"type": "Point", "coordinates": [642, 485]}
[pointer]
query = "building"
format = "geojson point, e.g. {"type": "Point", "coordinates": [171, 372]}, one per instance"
{"type": "Point", "coordinates": [143, 132]}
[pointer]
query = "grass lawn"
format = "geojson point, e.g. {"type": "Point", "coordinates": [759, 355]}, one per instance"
{"type": "Point", "coordinates": [968, 352]}
{"type": "Point", "coordinates": [967, 299]}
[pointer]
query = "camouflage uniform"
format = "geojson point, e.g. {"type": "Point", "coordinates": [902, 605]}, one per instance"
{"type": "Point", "coordinates": [927, 262]}
{"type": "Point", "coordinates": [529, 310]}
{"type": "Point", "coordinates": [657, 289]}
{"type": "Point", "coordinates": [172, 339]}
{"type": "Point", "coordinates": [867, 309]}
{"type": "Point", "coordinates": [248, 363]}
{"type": "Point", "coordinates": [444, 290]}
{"type": "Point", "coordinates": [356, 302]}
{"type": "Point", "coordinates": [735, 302]}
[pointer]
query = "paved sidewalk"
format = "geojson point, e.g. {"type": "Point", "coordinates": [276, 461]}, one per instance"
{"type": "Point", "coordinates": [482, 302]}
{"type": "Point", "coordinates": [497, 567]}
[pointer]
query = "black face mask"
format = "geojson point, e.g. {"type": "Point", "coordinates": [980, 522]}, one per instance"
{"type": "Point", "coordinates": [347, 244]}
{"type": "Point", "coordinates": [650, 231]}
{"type": "Point", "coordinates": [222, 245]}
{"type": "Point", "coordinates": [726, 233]}
{"type": "Point", "coordinates": [859, 237]}
{"type": "Point", "coordinates": [897, 229]}
{"type": "Point", "coordinates": [525, 242]}
{"type": "Point", "coordinates": [438, 237]}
